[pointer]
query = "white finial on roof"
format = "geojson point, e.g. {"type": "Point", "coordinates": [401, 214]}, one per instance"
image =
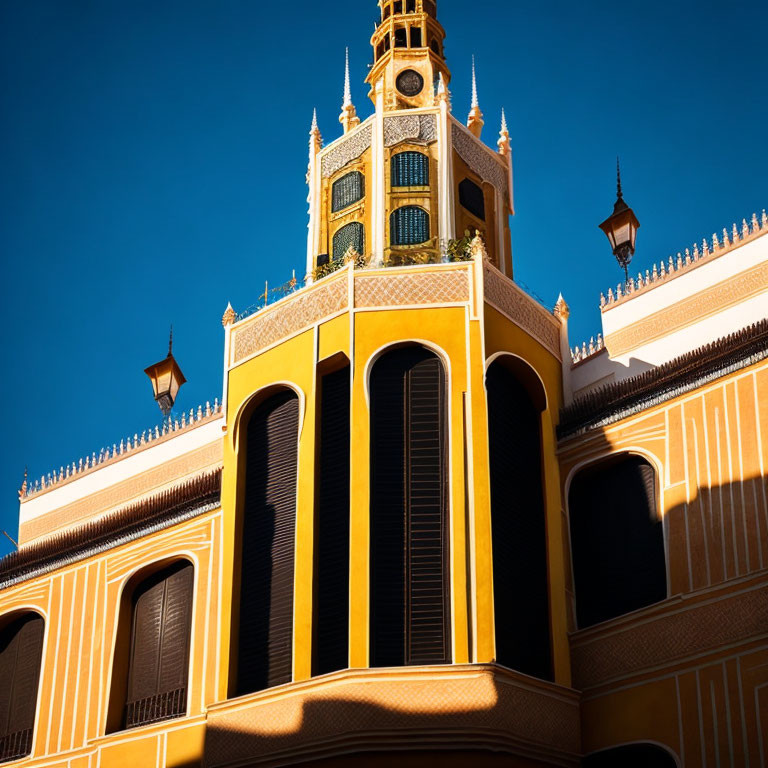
{"type": "Point", "coordinates": [347, 88]}
{"type": "Point", "coordinates": [348, 117]}
{"type": "Point", "coordinates": [475, 121]}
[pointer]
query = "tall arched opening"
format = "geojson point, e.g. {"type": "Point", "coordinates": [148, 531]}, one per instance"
{"type": "Point", "coordinates": [516, 400]}
{"type": "Point", "coordinates": [409, 582]}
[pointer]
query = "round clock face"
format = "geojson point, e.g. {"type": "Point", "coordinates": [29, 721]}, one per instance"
{"type": "Point", "coordinates": [410, 82]}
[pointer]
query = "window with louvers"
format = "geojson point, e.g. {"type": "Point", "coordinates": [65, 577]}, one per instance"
{"type": "Point", "coordinates": [269, 525]}
{"type": "Point", "coordinates": [410, 592]}
{"type": "Point", "coordinates": [331, 623]}
{"type": "Point", "coordinates": [350, 236]}
{"type": "Point", "coordinates": [410, 169]}
{"type": "Point", "coordinates": [617, 541]}
{"type": "Point", "coordinates": [159, 655]}
{"type": "Point", "coordinates": [409, 226]}
{"type": "Point", "coordinates": [347, 190]}
{"type": "Point", "coordinates": [521, 598]}
{"type": "Point", "coordinates": [21, 651]}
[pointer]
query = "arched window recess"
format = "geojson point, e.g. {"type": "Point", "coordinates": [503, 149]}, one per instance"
{"type": "Point", "coordinates": [617, 538]}
{"type": "Point", "coordinates": [151, 662]}
{"type": "Point", "coordinates": [21, 652]}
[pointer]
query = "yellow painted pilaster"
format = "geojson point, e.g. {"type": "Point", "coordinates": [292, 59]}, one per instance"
{"type": "Point", "coordinates": [556, 561]}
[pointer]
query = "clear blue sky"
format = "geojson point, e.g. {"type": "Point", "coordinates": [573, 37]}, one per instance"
{"type": "Point", "coordinates": [152, 160]}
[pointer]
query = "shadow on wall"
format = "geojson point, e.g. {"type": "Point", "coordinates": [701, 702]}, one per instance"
{"type": "Point", "coordinates": [452, 722]}
{"type": "Point", "coordinates": [667, 572]}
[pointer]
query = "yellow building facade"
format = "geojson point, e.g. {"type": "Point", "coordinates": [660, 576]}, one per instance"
{"type": "Point", "coordinates": [418, 527]}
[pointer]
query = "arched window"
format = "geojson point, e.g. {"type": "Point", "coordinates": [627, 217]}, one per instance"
{"type": "Point", "coordinates": [472, 198]}
{"type": "Point", "coordinates": [518, 525]}
{"type": "Point", "coordinates": [158, 660]}
{"type": "Point", "coordinates": [330, 647]}
{"type": "Point", "coordinates": [347, 190]}
{"type": "Point", "coordinates": [631, 756]}
{"type": "Point", "coordinates": [410, 169]}
{"type": "Point", "coordinates": [409, 226]}
{"type": "Point", "coordinates": [267, 550]}
{"type": "Point", "coordinates": [21, 652]}
{"type": "Point", "coordinates": [617, 541]}
{"type": "Point", "coordinates": [410, 592]}
{"type": "Point", "coordinates": [349, 236]}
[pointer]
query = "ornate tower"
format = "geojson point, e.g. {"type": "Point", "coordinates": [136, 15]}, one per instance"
{"type": "Point", "coordinates": [408, 49]}
{"type": "Point", "coordinates": [409, 183]}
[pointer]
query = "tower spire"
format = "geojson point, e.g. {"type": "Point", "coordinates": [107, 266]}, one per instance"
{"type": "Point", "coordinates": [475, 121]}
{"type": "Point", "coordinates": [503, 142]}
{"type": "Point", "coordinates": [315, 137]}
{"type": "Point", "coordinates": [348, 117]}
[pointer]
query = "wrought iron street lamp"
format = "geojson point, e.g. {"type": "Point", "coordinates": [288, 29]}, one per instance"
{"type": "Point", "coordinates": [621, 229]}
{"type": "Point", "coordinates": [166, 378]}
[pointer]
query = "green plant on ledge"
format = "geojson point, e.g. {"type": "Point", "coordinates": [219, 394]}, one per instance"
{"type": "Point", "coordinates": [460, 250]}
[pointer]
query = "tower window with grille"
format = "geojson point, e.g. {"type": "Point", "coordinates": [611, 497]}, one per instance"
{"type": "Point", "coordinates": [21, 651]}
{"type": "Point", "coordinates": [415, 37]}
{"type": "Point", "coordinates": [409, 226]}
{"type": "Point", "coordinates": [401, 37]}
{"type": "Point", "coordinates": [410, 169]}
{"type": "Point", "coordinates": [471, 197]}
{"type": "Point", "coordinates": [347, 190]}
{"type": "Point", "coordinates": [349, 236]}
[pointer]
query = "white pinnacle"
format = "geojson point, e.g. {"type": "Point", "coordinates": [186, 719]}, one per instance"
{"type": "Point", "coordinates": [475, 102]}
{"type": "Point", "coordinates": [347, 88]}
{"type": "Point", "coordinates": [314, 127]}
{"type": "Point", "coordinates": [503, 122]}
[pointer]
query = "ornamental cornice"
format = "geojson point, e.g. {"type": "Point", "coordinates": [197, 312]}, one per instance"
{"type": "Point", "coordinates": [482, 160]}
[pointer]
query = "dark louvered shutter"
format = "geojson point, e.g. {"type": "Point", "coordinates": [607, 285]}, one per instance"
{"type": "Point", "coordinates": [21, 650]}
{"type": "Point", "coordinates": [269, 524]}
{"type": "Point", "coordinates": [331, 624]}
{"type": "Point", "coordinates": [520, 593]}
{"type": "Point", "coordinates": [410, 616]}
{"type": "Point", "coordinates": [617, 541]}
{"type": "Point", "coordinates": [388, 492]}
{"type": "Point", "coordinates": [162, 618]}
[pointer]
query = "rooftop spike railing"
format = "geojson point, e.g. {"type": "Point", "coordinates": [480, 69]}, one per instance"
{"type": "Point", "coordinates": [178, 423]}
{"type": "Point", "coordinates": [588, 349]}
{"type": "Point", "coordinates": [686, 260]}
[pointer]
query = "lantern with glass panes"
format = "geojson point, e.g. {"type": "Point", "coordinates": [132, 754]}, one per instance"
{"type": "Point", "coordinates": [621, 229]}
{"type": "Point", "coordinates": [166, 378]}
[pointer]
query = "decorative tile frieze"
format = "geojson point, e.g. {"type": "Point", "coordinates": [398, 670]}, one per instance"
{"type": "Point", "coordinates": [522, 310]}
{"type": "Point", "coordinates": [347, 150]}
{"type": "Point", "coordinates": [409, 128]}
{"type": "Point", "coordinates": [480, 159]}
{"type": "Point", "coordinates": [725, 294]}
{"type": "Point", "coordinates": [445, 287]}
{"type": "Point", "coordinates": [286, 319]}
